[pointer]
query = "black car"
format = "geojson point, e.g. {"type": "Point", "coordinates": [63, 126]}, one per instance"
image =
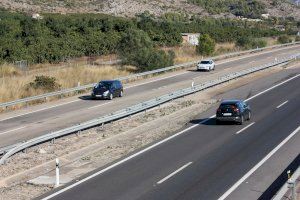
{"type": "Point", "coordinates": [234, 111]}
{"type": "Point", "coordinates": [108, 89]}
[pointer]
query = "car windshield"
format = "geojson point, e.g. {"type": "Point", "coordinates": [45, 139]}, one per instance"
{"type": "Point", "coordinates": [103, 85]}
{"type": "Point", "coordinates": [204, 62]}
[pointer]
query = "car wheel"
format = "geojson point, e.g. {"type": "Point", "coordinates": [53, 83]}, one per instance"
{"type": "Point", "coordinates": [242, 120]}
{"type": "Point", "coordinates": [213, 68]}
{"type": "Point", "coordinates": [249, 115]}
{"type": "Point", "coordinates": [218, 122]}
{"type": "Point", "coordinates": [121, 94]}
{"type": "Point", "coordinates": [110, 96]}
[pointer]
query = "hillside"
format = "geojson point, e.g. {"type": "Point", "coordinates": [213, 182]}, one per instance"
{"type": "Point", "coordinates": [129, 8]}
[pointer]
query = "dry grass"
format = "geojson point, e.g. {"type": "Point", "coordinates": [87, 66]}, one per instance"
{"type": "Point", "coordinates": [226, 47]}
{"type": "Point", "coordinates": [9, 70]}
{"type": "Point", "coordinates": [13, 87]}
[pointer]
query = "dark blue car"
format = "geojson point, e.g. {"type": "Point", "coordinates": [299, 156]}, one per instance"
{"type": "Point", "coordinates": [234, 111]}
{"type": "Point", "coordinates": [108, 89]}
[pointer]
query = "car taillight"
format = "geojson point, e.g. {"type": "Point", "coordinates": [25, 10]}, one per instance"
{"type": "Point", "coordinates": [235, 109]}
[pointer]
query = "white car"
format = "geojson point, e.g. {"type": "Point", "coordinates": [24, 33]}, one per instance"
{"type": "Point", "coordinates": [206, 65]}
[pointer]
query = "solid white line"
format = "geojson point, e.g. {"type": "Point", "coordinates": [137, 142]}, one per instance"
{"type": "Point", "coordinates": [258, 165]}
{"type": "Point", "coordinates": [100, 105]}
{"type": "Point", "coordinates": [245, 128]}
{"type": "Point", "coordinates": [275, 86]}
{"type": "Point", "coordinates": [39, 110]}
{"type": "Point", "coordinates": [152, 146]}
{"type": "Point", "coordinates": [175, 172]}
{"type": "Point", "coordinates": [282, 104]}
{"type": "Point", "coordinates": [120, 162]}
{"type": "Point", "coordinates": [12, 130]}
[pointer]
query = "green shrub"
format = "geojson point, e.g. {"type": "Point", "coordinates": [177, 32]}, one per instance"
{"type": "Point", "coordinates": [260, 43]}
{"type": "Point", "coordinates": [136, 48]}
{"type": "Point", "coordinates": [44, 83]}
{"type": "Point", "coordinates": [284, 39]}
{"type": "Point", "coordinates": [206, 45]}
{"type": "Point", "coordinates": [297, 39]}
{"type": "Point", "coordinates": [251, 43]}
{"type": "Point", "coordinates": [244, 42]}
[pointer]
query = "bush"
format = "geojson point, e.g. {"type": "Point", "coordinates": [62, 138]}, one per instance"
{"type": "Point", "coordinates": [244, 42]}
{"type": "Point", "coordinates": [44, 83]}
{"type": "Point", "coordinates": [206, 45]}
{"type": "Point", "coordinates": [250, 43]}
{"type": "Point", "coordinates": [297, 39]}
{"type": "Point", "coordinates": [136, 48]}
{"type": "Point", "coordinates": [284, 39]}
{"type": "Point", "coordinates": [260, 43]}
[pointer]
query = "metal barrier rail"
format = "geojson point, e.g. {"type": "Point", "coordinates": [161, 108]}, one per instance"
{"type": "Point", "coordinates": [89, 86]}
{"type": "Point", "coordinates": [138, 108]}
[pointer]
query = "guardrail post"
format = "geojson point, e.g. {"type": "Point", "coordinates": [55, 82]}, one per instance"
{"type": "Point", "coordinates": [57, 172]}
{"type": "Point", "coordinates": [53, 141]}
{"type": "Point", "coordinates": [291, 185]}
{"type": "Point", "coordinates": [78, 133]}
{"type": "Point", "coordinates": [24, 150]}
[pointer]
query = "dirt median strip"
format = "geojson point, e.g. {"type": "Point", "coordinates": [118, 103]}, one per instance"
{"type": "Point", "coordinates": [93, 148]}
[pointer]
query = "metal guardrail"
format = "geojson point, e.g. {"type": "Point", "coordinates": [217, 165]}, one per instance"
{"type": "Point", "coordinates": [89, 86]}
{"type": "Point", "coordinates": [138, 108]}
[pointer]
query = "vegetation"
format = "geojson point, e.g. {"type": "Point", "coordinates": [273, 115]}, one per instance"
{"type": "Point", "coordinates": [206, 45]}
{"type": "Point", "coordinates": [56, 38]}
{"type": "Point", "coordinates": [250, 43]}
{"type": "Point", "coordinates": [297, 39]}
{"type": "Point", "coordinates": [284, 39]}
{"type": "Point", "coordinates": [248, 8]}
{"type": "Point", "coordinates": [45, 83]}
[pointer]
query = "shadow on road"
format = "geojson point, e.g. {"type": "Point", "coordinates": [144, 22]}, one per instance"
{"type": "Point", "coordinates": [86, 98]}
{"type": "Point", "coordinates": [210, 122]}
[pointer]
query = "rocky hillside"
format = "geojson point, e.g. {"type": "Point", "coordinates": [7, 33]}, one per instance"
{"type": "Point", "coordinates": [129, 8]}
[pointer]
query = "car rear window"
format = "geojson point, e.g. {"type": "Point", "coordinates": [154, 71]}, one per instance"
{"type": "Point", "coordinates": [228, 106]}
{"type": "Point", "coordinates": [205, 62]}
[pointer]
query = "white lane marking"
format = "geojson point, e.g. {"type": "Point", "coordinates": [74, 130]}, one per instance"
{"type": "Point", "coordinates": [151, 147]}
{"type": "Point", "coordinates": [175, 172]}
{"type": "Point", "coordinates": [245, 128]}
{"type": "Point", "coordinates": [119, 163]}
{"type": "Point", "coordinates": [275, 86]}
{"type": "Point", "coordinates": [100, 105]}
{"type": "Point", "coordinates": [16, 129]}
{"type": "Point", "coordinates": [239, 58]}
{"type": "Point", "coordinates": [258, 165]}
{"type": "Point", "coordinates": [39, 110]}
{"type": "Point", "coordinates": [282, 104]}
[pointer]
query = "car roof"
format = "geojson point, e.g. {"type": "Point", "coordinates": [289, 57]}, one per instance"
{"type": "Point", "coordinates": [109, 81]}
{"type": "Point", "coordinates": [207, 60]}
{"type": "Point", "coordinates": [231, 101]}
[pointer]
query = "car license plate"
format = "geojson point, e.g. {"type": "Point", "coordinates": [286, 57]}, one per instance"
{"type": "Point", "coordinates": [227, 114]}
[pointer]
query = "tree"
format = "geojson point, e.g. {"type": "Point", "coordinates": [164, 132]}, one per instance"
{"type": "Point", "coordinates": [206, 45]}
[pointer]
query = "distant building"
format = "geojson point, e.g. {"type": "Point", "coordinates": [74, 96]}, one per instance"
{"type": "Point", "coordinates": [36, 16]}
{"type": "Point", "coordinates": [190, 38]}
{"type": "Point", "coordinates": [265, 16]}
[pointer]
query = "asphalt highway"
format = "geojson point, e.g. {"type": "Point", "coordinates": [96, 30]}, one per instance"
{"type": "Point", "coordinates": [20, 126]}
{"type": "Point", "coordinates": [204, 160]}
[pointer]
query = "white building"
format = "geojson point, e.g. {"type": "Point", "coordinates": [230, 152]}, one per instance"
{"type": "Point", "coordinates": [190, 38]}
